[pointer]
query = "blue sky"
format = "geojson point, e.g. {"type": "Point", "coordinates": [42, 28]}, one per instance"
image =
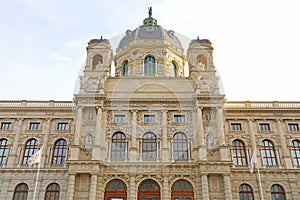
{"type": "Point", "coordinates": [42, 43]}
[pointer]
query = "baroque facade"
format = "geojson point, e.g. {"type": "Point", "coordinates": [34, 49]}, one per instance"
{"type": "Point", "coordinates": [149, 122]}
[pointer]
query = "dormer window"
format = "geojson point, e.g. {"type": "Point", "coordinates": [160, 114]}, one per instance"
{"type": "Point", "coordinates": [149, 66]}
{"type": "Point", "coordinates": [125, 68]}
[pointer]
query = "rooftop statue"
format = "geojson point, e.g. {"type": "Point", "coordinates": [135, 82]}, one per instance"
{"type": "Point", "coordinates": [150, 11]}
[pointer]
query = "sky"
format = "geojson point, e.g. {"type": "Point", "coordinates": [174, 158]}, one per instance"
{"type": "Point", "coordinates": [256, 43]}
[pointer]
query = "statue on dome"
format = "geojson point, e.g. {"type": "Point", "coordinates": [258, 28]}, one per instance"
{"type": "Point", "coordinates": [150, 11]}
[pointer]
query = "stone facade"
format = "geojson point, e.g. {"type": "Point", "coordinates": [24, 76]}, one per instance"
{"type": "Point", "coordinates": [159, 129]}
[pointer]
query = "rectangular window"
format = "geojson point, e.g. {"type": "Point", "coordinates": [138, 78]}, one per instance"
{"type": "Point", "coordinates": [179, 118]}
{"type": "Point", "coordinates": [119, 118]}
{"type": "Point", "coordinates": [236, 127]}
{"type": "Point", "coordinates": [34, 126]}
{"type": "Point", "coordinates": [149, 118]}
{"type": "Point", "coordinates": [293, 127]}
{"type": "Point", "coordinates": [6, 126]}
{"type": "Point", "coordinates": [62, 126]}
{"type": "Point", "coordinates": [264, 127]}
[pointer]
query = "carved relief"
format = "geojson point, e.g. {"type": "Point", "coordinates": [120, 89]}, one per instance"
{"type": "Point", "coordinates": [92, 85]}
{"type": "Point", "coordinates": [186, 130]}
{"type": "Point", "coordinates": [88, 141]}
{"type": "Point", "coordinates": [206, 85]}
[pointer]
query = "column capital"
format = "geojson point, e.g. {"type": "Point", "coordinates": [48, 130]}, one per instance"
{"type": "Point", "coordinates": [279, 120]}
{"type": "Point", "coordinates": [99, 107]}
{"type": "Point", "coordinates": [250, 120]}
{"type": "Point", "coordinates": [164, 110]}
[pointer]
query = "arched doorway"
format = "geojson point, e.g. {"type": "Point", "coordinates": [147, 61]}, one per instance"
{"type": "Point", "coordinates": [182, 190]}
{"type": "Point", "coordinates": [115, 190]}
{"type": "Point", "coordinates": [149, 190]}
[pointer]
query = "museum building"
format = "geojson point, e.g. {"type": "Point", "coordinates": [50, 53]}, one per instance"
{"type": "Point", "coordinates": [149, 121]}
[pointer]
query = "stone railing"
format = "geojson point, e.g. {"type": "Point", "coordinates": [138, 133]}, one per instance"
{"type": "Point", "coordinates": [260, 105]}
{"type": "Point", "coordinates": [43, 104]}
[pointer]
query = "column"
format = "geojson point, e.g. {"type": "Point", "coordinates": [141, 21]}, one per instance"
{"type": "Point", "coordinates": [93, 187]}
{"type": "Point", "coordinates": [78, 126]}
{"type": "Point", "coordinates": [71, 185]}
{"type": "Point", "coordinates": [285, 153]}
{"type": "Point", "coordinates": [74, 149]}
{"type": "Point", "coordinates": [220, 125]}
{"type": "Point", "coordinates": [13, 157]}
{"type": "Point", "coordinates": [98, 143]}
{"type": "Point", "coordinates": [165, 150]}
{"type": "Point", "coordinates": [132, 191]}
{"type": "Point", "coordinates": [165, 188]}
{"type": "Point", "coordinates": [199, 136]}
{"type": "Point", "coordinates": [45, 144]}
{"type": "Point", "coordinates": [224, 151]}
{"type": "Point", "coordinates": [227, 187]}
{"type": "Point", "coordinates": [205, 191]}
{"type": "Point", "coordinates": [133, 152]}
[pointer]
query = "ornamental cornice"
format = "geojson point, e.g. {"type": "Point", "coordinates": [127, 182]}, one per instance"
{"type": "Point", "coordinates": [262, 110]}
{"type": "Point", "coordinates": [34, 109]}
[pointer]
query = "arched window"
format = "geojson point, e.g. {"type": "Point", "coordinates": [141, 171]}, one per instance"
{"type": "Point", "coordinates": [97, 59]}
{"type": "Point", "coordinates": [149, 147]}
{"type": "Point", "coordinates": [173, 69]}
{"type": "Point", "coordinates": [125, 68]}
{"type": "Point", "coordinates": [295, 151]}
{"type": "Point", "coordinates": [149, 189]}
{"type": "Point", "coordinates": [149, 66]}
{"type": "Point", "coordinates": [118, 146]}
{"type": "Point", "coordinates": [59, 152]}
{"type": "Point", "coordinates": [52, 192]}
{"type": "Point", "coordinates": [239, 153]}
{"type": "Point", "coordinates": [180, 147]}
{"type": "Point", "coordinates": [182, 189]}
{"type": "Point", "coordinates": [268, 153]}
{"type": "Point", "coordinates": [277, 192]}
{"type": "Point", "coordinates": [30, 149]}
{"type": "Point", "coordinates": [21, 192]}
{"type": "Point", "coordinates": [115, 189]}
{"type": "Point", "coordinates": [3, 151]}
{"type": "Point", "coordinates": [245, 192]}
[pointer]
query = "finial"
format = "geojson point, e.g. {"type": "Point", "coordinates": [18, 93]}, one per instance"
{"type": "Point", "coordinates": [150, 11]}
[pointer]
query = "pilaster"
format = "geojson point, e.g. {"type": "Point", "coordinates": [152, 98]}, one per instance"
{"type": "Point", "coordinates": [71, 185]}
{"type": "Point", "coordinates": [13, 157]}
{"type": "Point", "coordinates": [205, 191]}
{"type": "Point", "coordinates": [165, 188]}
{"type": "Point", "coordinates": [98, 143]}
{"type": "Point", "coordinates": [45, 144]}
{"type": "Point", "coordinates": [133, 152]}
{"type": "Point", "coordinates": [132, 188]}
{"type": "Point", "coordinates": [93, 187]}
{"type": "Point", "coordinates": [165, 149]}
{"type": "Point", "coordinates": [227, 187]}
{"type": "Point", "coordinates": [286, 156]}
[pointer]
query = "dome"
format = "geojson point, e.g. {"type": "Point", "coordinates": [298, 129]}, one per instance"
{"type": "Point", "coordinates": [95, 41]}
{"type": "Point", "coordinates": [150, 30]}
